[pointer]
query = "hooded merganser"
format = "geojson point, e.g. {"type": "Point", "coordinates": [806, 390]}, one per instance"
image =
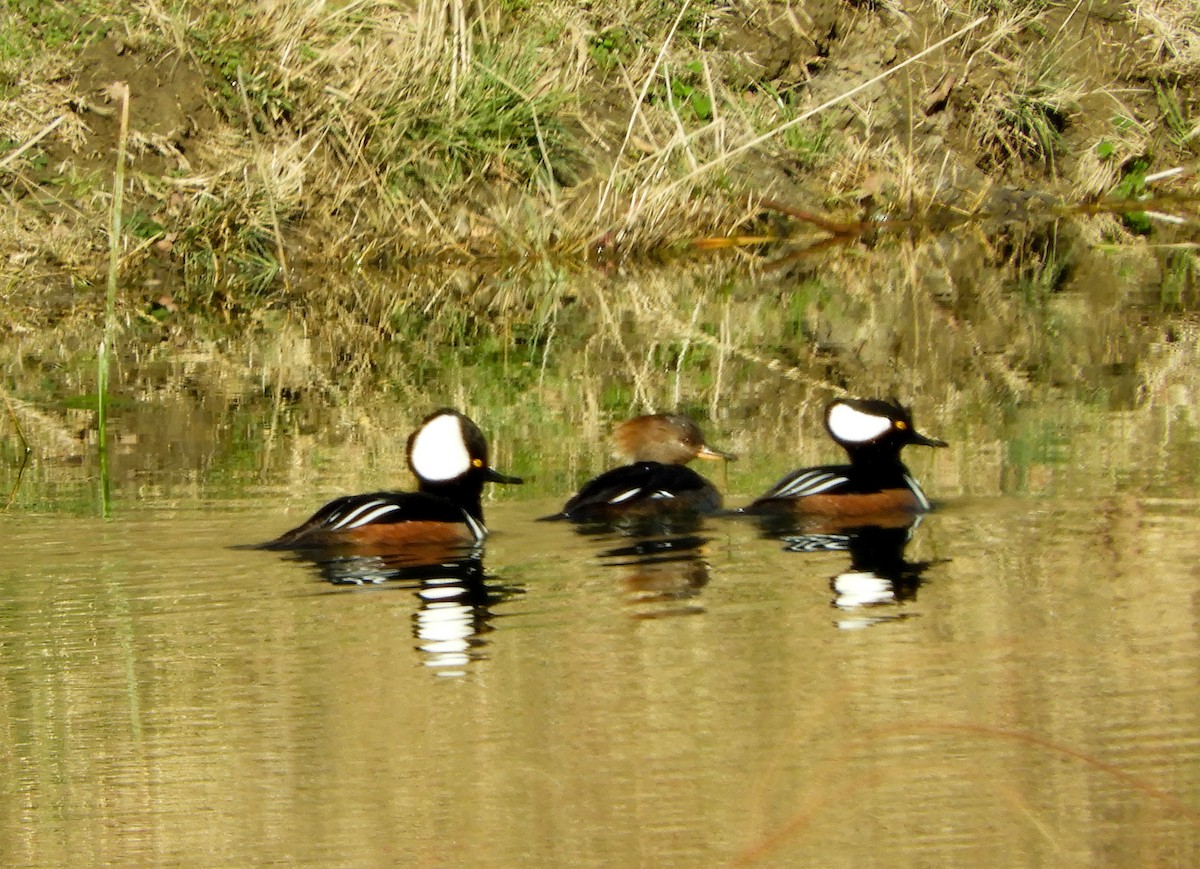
{"type": "Point", "coordinates": [656, 482]}
{"type": "Point", "coordinates": [449, 457]}
{"type": "Point", "coordinates": [875, 484]}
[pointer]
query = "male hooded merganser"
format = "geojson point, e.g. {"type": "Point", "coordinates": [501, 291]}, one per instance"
{"type": "Point", "coordinates": [449, 457]}
{"type": "Point", "coordinates": [656, 483]}
{"type": "Point", "coordinates": [875, 483]}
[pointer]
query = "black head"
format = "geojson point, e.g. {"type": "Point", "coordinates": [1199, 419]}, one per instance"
{"type": "Point", "coordinates": [863, 423]}
{"type": "Point", "coordinates": [449, 456]}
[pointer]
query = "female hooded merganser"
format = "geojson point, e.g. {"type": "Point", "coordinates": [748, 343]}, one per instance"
{"type": "Point", "coordinates": [656, 482]}
{"type": "Point", "coordinates": [449, 457]}
{"type": "Point", "coordinates": [875, 483]}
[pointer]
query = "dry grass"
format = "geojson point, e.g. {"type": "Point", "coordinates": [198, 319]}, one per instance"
{"type": "Point", "coordinates": [1169, 37]}
{"type": "Point", "coordinates": [382, 131]}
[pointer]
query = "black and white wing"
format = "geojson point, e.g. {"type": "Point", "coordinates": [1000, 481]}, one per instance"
{"type": "Point", "coordinates": [351, 512]}
{"type": "Point", "coordinates": [831, 480]}
{"type": "Point", "coordinates": [642, 485]}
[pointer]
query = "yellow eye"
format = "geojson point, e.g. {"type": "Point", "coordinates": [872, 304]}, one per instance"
{"type": "Point", "coordinates": [477, 462]}
{"type": "Point", "coordinates": [901, 424]}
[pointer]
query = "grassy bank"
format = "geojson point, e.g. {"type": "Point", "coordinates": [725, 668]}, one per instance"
{"type": "Point", "coordinates": [266, 138]}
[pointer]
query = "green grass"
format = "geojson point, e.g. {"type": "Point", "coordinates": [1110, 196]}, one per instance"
{"type": "Point", "coordinates": [490, 125]}
{"type": "Point", "coordinates": [32, 26]}
{"type": "Point", "coordinates": [1131, 186]}
{"type": "Point", "coordinates": [1182, 130]}
{"type": "Point", "coordinates": [1028, 121]}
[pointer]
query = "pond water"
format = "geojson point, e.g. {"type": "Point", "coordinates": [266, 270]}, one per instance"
{"type": "Point", "coordinates": [1013, 681]}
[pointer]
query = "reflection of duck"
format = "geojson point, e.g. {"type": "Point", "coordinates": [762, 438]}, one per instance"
{"type": "Point", "coordinates": [662, 575]}
{"type": "Point", "coordinates": [656, 483]}
{"type": "Point", "coordinates": [875, 488]}
{"type": "Point", "coordinates": [879, 552]}
{"type": "Point", "coordinates": [660, 560]}
{"type": "Point", "coordinates": [449, 456]}
{"type": "Point", "coordinates": [878, 573]}
{"type": "Point", "coordinates": [456, 600]}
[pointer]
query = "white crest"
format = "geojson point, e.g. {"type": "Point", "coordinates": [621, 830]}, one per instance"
{"type": "Point", "coordinates": [439, 452]}
{"type": "Point", "coordinates": [853, 426]}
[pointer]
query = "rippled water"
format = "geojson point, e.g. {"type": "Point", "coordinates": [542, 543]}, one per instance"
{"type": "Point", "coordinates": [1014, 681]}
{"type": "Point", "coordinates": [1029, 693]}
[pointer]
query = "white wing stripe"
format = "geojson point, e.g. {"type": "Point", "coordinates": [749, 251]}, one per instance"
{"type": "Point", "coordinates": [367, 518]}
{"type": "Point", "coordinates": [337, 521]}
{"type": "Point", "coordinates": [340, 520]}
{"type": "Point", "coordinates": [625, 496]}
{"type": "Point", "coordinates": [812, 483]}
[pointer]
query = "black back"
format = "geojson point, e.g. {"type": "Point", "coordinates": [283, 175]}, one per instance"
{"type": "Point", "coordinates": [643, 486]}
{"type": "Point", "coordinates": [376, 508]}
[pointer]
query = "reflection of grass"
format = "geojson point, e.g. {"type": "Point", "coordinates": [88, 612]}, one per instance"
{"type": "Point", "coordinates": [1131, 185]}
{"type": "Point", "coordinates": [1036, 446]}
{"type": "Point", "coordinates": [1043, 273]}
{"type": "Point", "coordinates": [832, 786]}
{"type": "Point", "coordinates": [1178, 291]}
{"type": "Point", "coordinates": [944, 326]}
{"type": "Point", "coordinates": [110, 306]}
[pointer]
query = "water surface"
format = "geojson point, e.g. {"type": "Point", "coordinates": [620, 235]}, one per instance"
{"type": "Point", "coordinates": [1013, 681]}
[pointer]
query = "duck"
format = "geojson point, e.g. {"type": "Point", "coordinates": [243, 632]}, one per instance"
{"type": "Point", "coordinates": [875, 483]}
{"type": "Point", "coordinates": [656, 481]}
{"type": "Point", "coordinates": [448, 454]}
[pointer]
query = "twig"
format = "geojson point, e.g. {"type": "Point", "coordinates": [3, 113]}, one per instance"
{"type": "Point", "coordinates": [25, 451]}
{"type": "Point", "coordinates": [119, 90]}
{"type": "Point", "coordinates": [833, 227]}
{"type": "Point", "coordinates": [41, 134]}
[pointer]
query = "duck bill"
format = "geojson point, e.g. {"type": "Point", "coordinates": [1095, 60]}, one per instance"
{"type": "Point", "coordinates": [707, 452]}
{"type": "Point", "coordinates": [491, 475]}
{"type": "Point", "coordinates": [924, 441]}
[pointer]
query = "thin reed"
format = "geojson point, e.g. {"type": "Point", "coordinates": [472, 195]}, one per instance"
{"type": "Point", "coordinates": [120, 92]}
